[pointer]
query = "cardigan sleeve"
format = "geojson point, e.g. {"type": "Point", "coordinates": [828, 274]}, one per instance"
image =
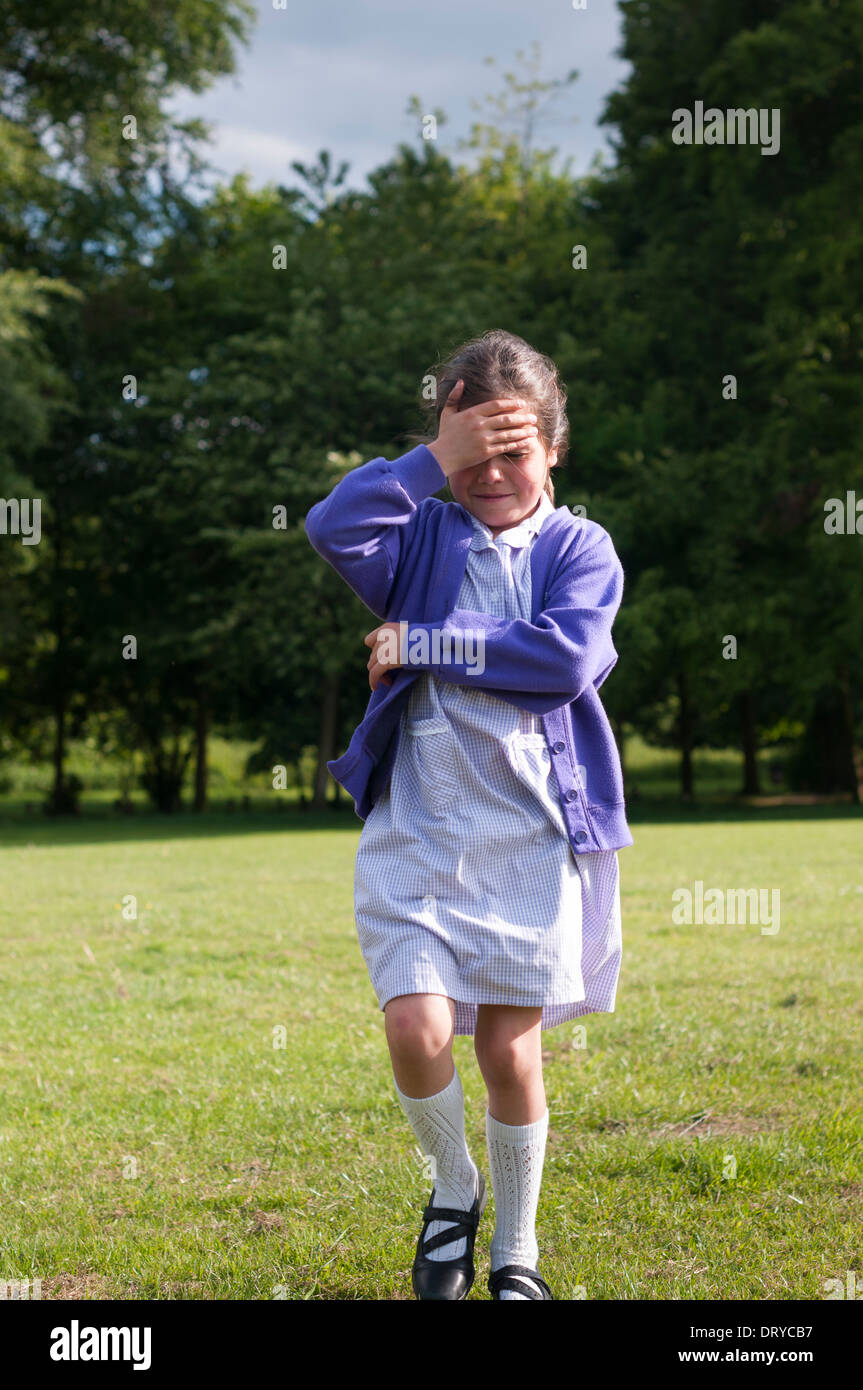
{"type": "Point", "coordinates": [542, 665]}
{"type": "Point", "coordinates": [366, 523]}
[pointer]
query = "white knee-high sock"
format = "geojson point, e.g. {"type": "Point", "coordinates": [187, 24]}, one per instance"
{"type": "Point", "coordinates": [438, 1123]}
{"type": "Point", "coordinates": [516, 1155]}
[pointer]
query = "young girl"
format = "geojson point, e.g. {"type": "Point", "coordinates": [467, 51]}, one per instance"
{"type": "Point", "coordinates": [486, 889]}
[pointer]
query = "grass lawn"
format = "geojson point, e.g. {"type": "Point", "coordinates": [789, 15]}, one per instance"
{"type": "Point", "coordinates": [198, 1103]}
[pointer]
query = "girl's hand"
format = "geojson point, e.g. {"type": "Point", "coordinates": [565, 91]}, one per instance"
{"type": "Point", "coordinates": [384, 642]}
{"type": "Point", "coordinates": [471, 436]}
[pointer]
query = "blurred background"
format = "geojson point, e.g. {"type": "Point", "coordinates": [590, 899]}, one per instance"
{"type": "Point", "coordinates": [190, 359]}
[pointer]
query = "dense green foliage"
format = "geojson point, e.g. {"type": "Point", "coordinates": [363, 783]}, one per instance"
{"type": "Point", "coordinates": [182, 380]}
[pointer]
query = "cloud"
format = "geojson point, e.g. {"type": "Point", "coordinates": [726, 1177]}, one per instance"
{"type": "Point", "coordinates": [338, 76]}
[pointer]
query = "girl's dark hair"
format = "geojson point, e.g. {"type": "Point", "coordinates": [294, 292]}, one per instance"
{"type": "Point", "coordinates": [500, 364]}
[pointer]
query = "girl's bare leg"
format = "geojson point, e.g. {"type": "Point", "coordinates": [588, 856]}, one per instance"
{"type": "Point", "coordinates": [419, 1029]}
{"type": "Point", "coordinates": [508, 1044]}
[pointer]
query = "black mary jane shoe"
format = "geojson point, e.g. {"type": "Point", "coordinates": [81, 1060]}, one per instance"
{"type": "Point", "coordinates": [502, 1279]}
{"type": "Point", "coordinates": [447, 1280]}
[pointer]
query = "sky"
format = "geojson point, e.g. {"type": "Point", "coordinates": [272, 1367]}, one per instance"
{"type": "Point", "coordinates": [338, 74]}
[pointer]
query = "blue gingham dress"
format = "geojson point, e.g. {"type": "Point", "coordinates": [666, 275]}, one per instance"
{"type": "Point", "coordinates": [465, 883]}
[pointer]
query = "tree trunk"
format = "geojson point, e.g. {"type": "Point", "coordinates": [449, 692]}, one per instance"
{"type": "Point", "coordinates": [201, 729]}
{"type": "Point", "coordinates": [59, 744]}
{"type": "Point", "coordinates": [59, 757]}
{"type": "Point", "coordinates": [326, 739]}
{"type": "Point", "coordinates": [749, 742]}
{"type": "Point", "coordinates": [823, 761]}
{"type": "Point", "coordinates": [301, 786]}
{"type": "Point", "coordinates": [685, 735]}
{"type": "Point", "coordinates": [855, 758]}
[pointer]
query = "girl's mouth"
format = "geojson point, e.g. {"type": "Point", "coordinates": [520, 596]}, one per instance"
{"type": "Point", "coordinates": [491, 496]}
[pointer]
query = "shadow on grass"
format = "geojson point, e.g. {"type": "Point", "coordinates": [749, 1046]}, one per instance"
{"type": "Point", "coordinates": [17, 827]}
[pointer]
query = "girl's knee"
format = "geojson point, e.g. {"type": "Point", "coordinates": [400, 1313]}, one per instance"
{"type": "Point", "coordinates": [507, 1053]}
{"type": "Point", "coordinates": [417, 1026]}
{"type": "Point", "coordinates": [501, 1059]}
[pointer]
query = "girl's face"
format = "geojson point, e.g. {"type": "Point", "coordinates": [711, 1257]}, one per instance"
{"type": "Point", "coordinates": [502, 491]}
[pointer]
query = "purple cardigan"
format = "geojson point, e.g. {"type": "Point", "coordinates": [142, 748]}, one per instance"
{"type": "Point", "coordinates": [404, 552]}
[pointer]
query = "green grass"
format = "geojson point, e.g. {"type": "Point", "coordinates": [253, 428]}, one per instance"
{"type": "Point", "coordinates": [705, 1143]}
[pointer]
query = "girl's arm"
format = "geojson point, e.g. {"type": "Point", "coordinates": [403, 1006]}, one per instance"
{"type": "Point", "coordinates": [366, 523]}
{"type": "Point", "coordinates": [538, 666]}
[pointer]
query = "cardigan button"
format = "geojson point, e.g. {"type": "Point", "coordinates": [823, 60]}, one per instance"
{"type": "Point", "coordinates": [559, 747]}
{"type": "Point", "coordinates": [580, 837]}
{"type": "Point", "coordinates": [571, 794]}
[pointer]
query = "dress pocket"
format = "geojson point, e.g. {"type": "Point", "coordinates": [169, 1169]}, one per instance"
{"type": "Point", "coordinates": [531, 762]}
{"type": "Point", "coordinates": [433, 757]}
{"type": "Point", "coordinates": [530, 757]}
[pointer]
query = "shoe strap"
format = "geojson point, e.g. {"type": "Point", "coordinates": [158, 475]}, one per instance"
{"type": "Point", "coordinates": [464, 1226]}
{"type": "Point", "coordinates": [448, 1237]}
{"type": "Point", "coordinates": [464, 1218]}
{"type": "Point", "coordinates": [502, 1279]}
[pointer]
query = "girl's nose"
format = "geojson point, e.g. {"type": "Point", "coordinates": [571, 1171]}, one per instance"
{"type": "Point", "coordinates": [490, 471]}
